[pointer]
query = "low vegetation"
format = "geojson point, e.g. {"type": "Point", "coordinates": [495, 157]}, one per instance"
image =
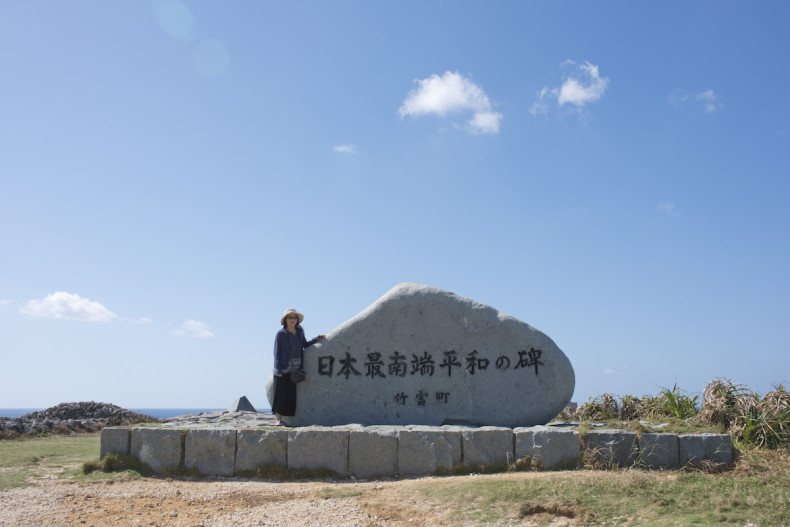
{"type": "Point", "coordinates": [25, 460]}
{"type": "Point", "coordinates": [755, 492]}
{"type": "Point", "coordinates": [726, 407]}
{"type": "Point", "coordinates": [117, 463]}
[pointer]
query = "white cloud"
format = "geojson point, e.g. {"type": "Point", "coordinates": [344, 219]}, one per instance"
{"type": "Point", "coordinates": [668, 208]}
{"type": "Point", "coordinates": [582, 85]}
{"type": "Point", "coordinates": [541, 105]}
{"type": "Point", "coordinates": [67, 306]}
{"type": "Point", "coordinates": [193, 328]}
{"type": "Point", "coordinates": [452, 93]}
{"type": "Point", "coordinates": [345, 149]}
{"type": "Point", "coordinates": [485, 122]}
{"type": "Point", "coordinates": [4, 302]}
{"type": "Point", "coordinates": [707, 99]}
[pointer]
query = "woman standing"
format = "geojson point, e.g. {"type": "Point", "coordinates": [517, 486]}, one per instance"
{"type": "Point", "coordinates": [289, 345]}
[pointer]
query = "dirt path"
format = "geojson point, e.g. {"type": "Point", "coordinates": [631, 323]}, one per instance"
{"type": "Point", "coordinates": [237, 503]}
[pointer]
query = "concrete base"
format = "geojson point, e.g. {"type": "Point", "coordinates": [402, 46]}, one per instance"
{"type": "Point", "coordinates": [549, 447]}
{"type": "Point", "coordinates": [705, 447]}
{"type": "Point", "coordinates": [365, 452]}
{"type": "Point", "coordinates": [612, 448]}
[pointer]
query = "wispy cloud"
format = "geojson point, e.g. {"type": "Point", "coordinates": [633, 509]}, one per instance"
{"type": "Point", "coordinates": [707, 99]}
{"type": "Point", "coordinates": [582, 84]}
{"type": "Point", "coordinates": [4, 303]}
{"type": "Point", "coordinates": [345, 149]}
{"type": "Point", "coordinates": [668, 208]}
{"type": "Point", "coordinates": [194, 328]}
{"type": "Point", "coordinates": [67, 306]}
{"type": "Point", "coordinates": [452, 93]}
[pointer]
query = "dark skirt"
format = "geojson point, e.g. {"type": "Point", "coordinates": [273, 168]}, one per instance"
{"type": "Point", "coordinates": [284, 396]}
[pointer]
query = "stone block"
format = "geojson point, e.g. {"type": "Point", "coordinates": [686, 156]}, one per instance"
{"type": "Point", "coordinates": [423, 450]}
{"type": "Point", "coordinates": [373, 452]}
{"type": "Point", "coordinates": [617, 448]}
{"type": "Point", "coordinates": [550, 446]}
{"type": "Point", "coordinates": [488, 446]}
{"type": "Point", "coordinates": [658, 451]}
{"type": "Point", "coordinates": [707, 447]}
{"type": "Point", "coordinates": [159, 448]}
{"type": "Point", "coordinates": [210, 452]}
{"type": "Point", "coordinates": [261, 447]}
{"type": "Point", "coordinates": [114, 440]}
{"type": "Point", "coordinates": [313, 448]}
{"type": "Point", "coordinates": [421, 355]}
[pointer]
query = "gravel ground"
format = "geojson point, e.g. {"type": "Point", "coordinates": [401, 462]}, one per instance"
{"type": "Point", "coordinates": [229, 502]}
{"type": "Point", "coordinates": [162, 502]}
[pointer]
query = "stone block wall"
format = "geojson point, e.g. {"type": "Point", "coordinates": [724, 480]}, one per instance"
{"type": "Point", "coordinates": [366, 452]}
{"type": "Point", "coordinates": [550, 447]}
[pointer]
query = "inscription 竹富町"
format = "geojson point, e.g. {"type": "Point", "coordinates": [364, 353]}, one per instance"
{"type": "Point", "coordinates": [396, 364]}
{"type": "Point", "coordinates": [422, 398]}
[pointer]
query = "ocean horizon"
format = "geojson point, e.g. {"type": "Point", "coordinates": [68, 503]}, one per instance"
{"type": "Point", "coordinates": [159, 413]}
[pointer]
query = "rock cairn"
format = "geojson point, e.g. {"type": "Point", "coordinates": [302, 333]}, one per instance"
{"type": "Point", "coordinates": [67, 418]}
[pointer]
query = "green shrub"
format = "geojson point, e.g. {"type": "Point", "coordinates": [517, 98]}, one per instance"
{"type": "Point", "coordinates": [675, 404]}
{"type": "Point", "coordinates": [767, 423]}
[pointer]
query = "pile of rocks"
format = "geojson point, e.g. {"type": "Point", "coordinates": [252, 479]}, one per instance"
{"type": "Point", "coordinates": [67, 418]}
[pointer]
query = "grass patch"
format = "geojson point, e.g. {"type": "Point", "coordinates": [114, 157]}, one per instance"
{"type": "Point", "coordinates": [464, 469]}
{"type": "Point", "coordinates": [756, 492]}
{"type": "Point", "coordinates": [26, 458]}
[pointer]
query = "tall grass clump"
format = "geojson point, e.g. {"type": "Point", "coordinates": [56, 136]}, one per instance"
{"type": "Point", "coordinates": [670, 402]}
{"type": "Point", "coordinates": [751, 420]}
{"type": "Point", "coordinates": [676, 404]}
{"type": "Point", "coordinates": [601, 408]}
{"type": "Point", "coordinates": [723, 401]}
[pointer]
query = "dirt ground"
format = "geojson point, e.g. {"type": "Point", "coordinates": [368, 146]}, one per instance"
{"type": "Point", "coordinates": [214, 502]}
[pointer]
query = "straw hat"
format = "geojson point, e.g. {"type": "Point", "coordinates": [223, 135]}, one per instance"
{"type": "Point", "coordinates": [292, 311]}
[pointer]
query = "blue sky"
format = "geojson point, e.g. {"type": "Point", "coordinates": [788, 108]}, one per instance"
{"type": "Point", "coordinates": [173, 175]}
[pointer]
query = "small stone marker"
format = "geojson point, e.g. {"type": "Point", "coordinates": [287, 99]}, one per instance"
{"type": "Point", "coordinates": [423, 355]}
{"type": "Point", "coordinates": [242, 404]}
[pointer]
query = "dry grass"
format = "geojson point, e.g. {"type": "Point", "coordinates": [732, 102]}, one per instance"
{"type": "Point", "coordinates": [723, 401]}
{"type": "Point", "coordinates": [726, 407]}
{"type": "Point", "coordinates": [753, 421]}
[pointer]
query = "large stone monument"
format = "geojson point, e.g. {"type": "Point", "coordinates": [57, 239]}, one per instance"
{"type": "Point", "coordinates": [423, 355]}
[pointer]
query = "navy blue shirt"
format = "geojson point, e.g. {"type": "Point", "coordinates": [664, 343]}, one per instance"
{"type": "Point", "coordinates": [283, 342]}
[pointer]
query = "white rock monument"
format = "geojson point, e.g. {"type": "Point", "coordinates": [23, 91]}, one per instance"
{"type": "Point", "coordinates": [425, 356]}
